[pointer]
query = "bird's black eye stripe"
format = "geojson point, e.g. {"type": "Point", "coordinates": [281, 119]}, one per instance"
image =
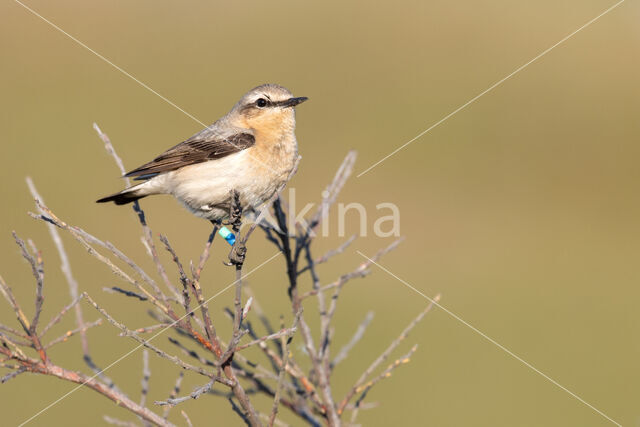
{"type": "Point", "coordinates": [261, 102]}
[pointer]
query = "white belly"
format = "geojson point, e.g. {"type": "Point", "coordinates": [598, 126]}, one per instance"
{"type": "Point", "coordinates": [205, 188]}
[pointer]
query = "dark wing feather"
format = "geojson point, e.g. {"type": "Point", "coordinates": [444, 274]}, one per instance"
{"type": "Point", "coordinates": [197, 149]}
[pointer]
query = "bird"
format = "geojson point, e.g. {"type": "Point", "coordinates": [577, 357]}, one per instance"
{"type": "Point", "coordinates": [248, 153]}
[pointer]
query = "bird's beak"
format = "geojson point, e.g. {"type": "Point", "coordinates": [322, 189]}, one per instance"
{"type": "Point", "coordinates": [292, 102]}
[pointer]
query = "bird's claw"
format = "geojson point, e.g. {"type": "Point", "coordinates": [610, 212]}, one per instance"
{"type": "Point", "coordinates": [237, 254]}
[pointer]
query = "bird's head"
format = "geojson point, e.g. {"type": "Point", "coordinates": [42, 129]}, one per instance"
{"type": "Point", "coordinates": [266, 109]}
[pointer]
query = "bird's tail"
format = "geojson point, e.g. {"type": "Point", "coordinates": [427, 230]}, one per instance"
{"type": "Point", "coordinates": [128, 195]}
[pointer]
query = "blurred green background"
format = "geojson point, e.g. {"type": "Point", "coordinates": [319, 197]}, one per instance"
{"type": "Point", "coordinates": [522, 209]}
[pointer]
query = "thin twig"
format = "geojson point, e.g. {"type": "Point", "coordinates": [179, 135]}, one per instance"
{"type": "Point", "coordinates": [117, 422]}
{"type": "Point", "coordinates": [174, 393]}
{"type": "Point", "coordinates": [12, 331]}
{"type": "Point", "coordinates": [292, 257]}
{"type": "Point", "coordinates": [257, 309]}
{"type": "Point", "coordinates": [38, 273]}
{"type": "Point", "coordinates": [13, 374]}
{"type": "Point", "coordinates": [8, 295]}
{"type": "Point", "coordinates": [70, 333]}
{"type": "Point", "coordinates": [193, 395]}
{"type": "Point", "coordinates": [163, 306]}
{"type": "Point", "coordinates": [65, 266]}
{"type": "Point", "coordinates": [146, 343]}
{"type": "Point", "coordinates": [146, 374]}
{"type": "Point", "coordinates": [94, 384]}
{"type": "Point", "coordinates": [152, 328]}
{"type": "Point", "coordinates": [238, 411]}
{"type": "Point", "coordinates": [115, 289]}
{"type": "Point", "coordinates": [283, 370]}
{"type": "Point", "coordinates": [204, 311]}
{"type": "Point", "coordinates": [365, 388]}
{"type": "Point", "coordinates": [186, 300]}
{"type": "Point", "coordinates": [385, 354]}
{"type": "Point", "coordinates": [205, 253]}
{"type": "Point", "coordinates": [325, 329]}
{"type": "Point", "coordinates": [280, 334]}
{"type": "Point", "coordinates": [361, 271]}
{"type": "Point", "coordinates": [186, 418]}
{"type": "Point", "coordinates": [58, 316]}
{"type": "Point", "coordinates": [276, 422]}
{"type": "Point", "coordinates": [191, 353]}
{"type": "Point", "coordinates": [344, 351]}
{"type": "Point", "coordinates": [331, 192]}
{"type": "Point", "coordinates": [50, 217]}
{"type": "Point", "coordinates": [330, 254]}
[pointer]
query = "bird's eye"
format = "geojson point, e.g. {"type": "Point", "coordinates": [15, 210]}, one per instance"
{"type": "Point", "coordinates": [261, 102]}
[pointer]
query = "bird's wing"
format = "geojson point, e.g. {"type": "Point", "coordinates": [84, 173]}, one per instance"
{"type": "Point", "coordinates": [201, 147]}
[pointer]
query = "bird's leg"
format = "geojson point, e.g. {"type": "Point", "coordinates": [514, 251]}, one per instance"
{"type": "Point", "coordinates": [235, 211]}
{"type": "Point", "coordinates": [238, 250]}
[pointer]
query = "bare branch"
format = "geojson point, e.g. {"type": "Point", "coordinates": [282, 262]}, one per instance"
{"type": "Point", "coordinates": [38, 273]}
{"type": "Point", "coordinates": [331, 192]}
{"type": "Point", "coordinates": [364, 389]}
{"type": "Point", "coordinates": [8, 295]}
{"type": "Point", "coordinates": [205, 253]}
{"type": "Point", "coordinates": [65, 266]}
{"type": "Point", "coordinates": [385, 354]}
{"type": "Point", "coordinates": [238, 411]}
{"type": "Point", "coordinates": [186, 418]}
{"type": "Point", "coordinates": [361, 271]}
{"type": "Point", "coordinates": [283, 369]}
{"type": "Point", "coordinates": [324, 339]}
{"type": "Point", "coordinates": [344, 352]}
{"type": "Point", "coordinates": [191, 353]}
{"type": "Point", "coordinates": [292, 257]}
{"type": "Point", "coordinates": [112, 152]}
{"type": "Point", "coordinates": [115, 289]}
{"type": "Point", "coordinates": [330, 254]}
{"type": "Point", "coordinates": [152, 328]}
{"type": "Point", "coordinates": [58, 316]}
{"type": "Point", "coordinates": [146, 343]}
{"type": "Point", "coordinates": [276, 421]}
{"type": "Point", "coordinates": [174, 393]}
{"type": "Point", "coordinates": [280, 334]}
{"type": "Point", "coordinates": [13, 374]}
{"type": "Point", "coordinates": [305, 388]}
{"type": "Point", "coordinates": [117, 422]}
{"type": "Point", "coordinates": [257, 309]}
{"type": "Point", "coordinates": [17, 342]}
{"type": "Point", "coordinates": [146, 374]}
{"type": "Point", "coordinates": [92, 383]}
{"type": "Point", "coordinates": [72, 332]}
{"type": "Point", "coordinates": [186, 300]}
{"type": "Point", "coordinates": [204, 310]}
{"type": "Point", "coordinates": [194, 395]}
{"type": "Point", "coordinates": [11, 348]}
{"type": "Point", "coordinates": [12, 331]}
{"type": "Point", "coordinates": [340, 249]}
{"type": "Point", "coordinates": [50, 217]}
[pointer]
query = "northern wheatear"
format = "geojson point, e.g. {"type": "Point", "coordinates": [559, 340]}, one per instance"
{"type": "Point", "coordinates": [251, 150]}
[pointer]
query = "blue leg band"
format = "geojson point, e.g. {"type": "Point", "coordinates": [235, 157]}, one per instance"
{"type": "Point", "coordinates": [227, 235]}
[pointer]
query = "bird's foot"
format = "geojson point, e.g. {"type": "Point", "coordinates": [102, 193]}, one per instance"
{"type": "Point", "coordinates": [237, 254]}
